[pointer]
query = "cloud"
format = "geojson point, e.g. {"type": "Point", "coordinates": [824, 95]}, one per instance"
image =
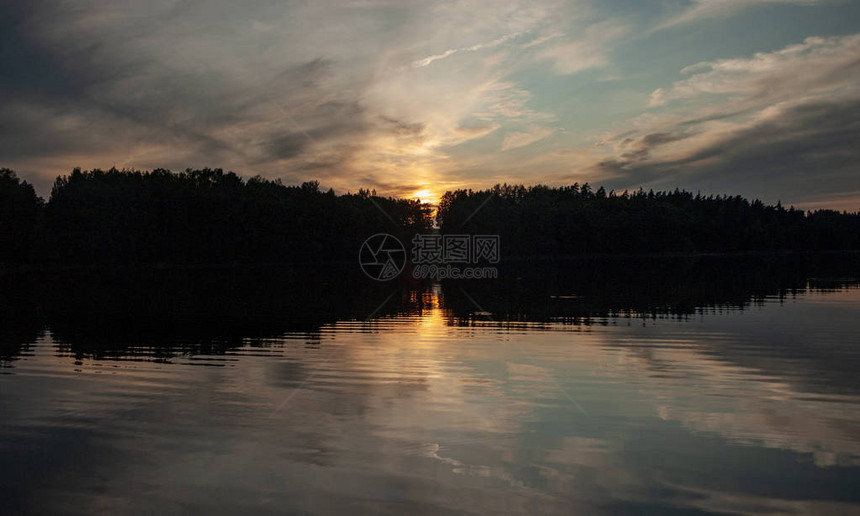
{"type": "Point", "coordinates": [522, 138]}
{"type": "Point", "coordinates": [572, 55]}
{"type": "Point", "coordinates": [704, 9]}
{"type": "Point", "coordinates": [784, 124]}
{"type": "Point", "coordinates": [474, 48]}
{"type": "Point", "coordinates": [632, 150]}
{"type": "Point", "coordinates": [816, 65]}
{"type": "Point", "coordinates": [387, 94]}
{"type": "Point", "coordinates": [272, 89]}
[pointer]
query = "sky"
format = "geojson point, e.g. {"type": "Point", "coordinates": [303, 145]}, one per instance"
{"type": "Point", "coordinates": [759, 98]}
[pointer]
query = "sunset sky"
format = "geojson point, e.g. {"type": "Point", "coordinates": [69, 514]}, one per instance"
{"type": "Point", "coordinates": [753, 97]}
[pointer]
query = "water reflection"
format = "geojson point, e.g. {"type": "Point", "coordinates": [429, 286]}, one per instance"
{"type": "Point", "coordinates": [435, 407]}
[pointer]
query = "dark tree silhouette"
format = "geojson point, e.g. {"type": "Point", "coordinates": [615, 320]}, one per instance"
{"type": "Point", "coordinates": [208, 216]}
{"type": "Point", "coordinates": [575, 220]}
{"type": "Point", "coordinates": [212, 217]}
{"type": "Point", "coordinates": [20, 211]}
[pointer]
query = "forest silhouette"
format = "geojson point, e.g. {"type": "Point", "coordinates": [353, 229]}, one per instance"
{"type": "Point", "coordinates": [542, 221]}
{"type": "Point", "coordinates": [208, 216]}
{"type": "Point", "coordinates": [203, 216]}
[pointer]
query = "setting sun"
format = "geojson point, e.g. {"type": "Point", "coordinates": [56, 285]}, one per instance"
{"type": "Point", "coordinates": [426, 196]}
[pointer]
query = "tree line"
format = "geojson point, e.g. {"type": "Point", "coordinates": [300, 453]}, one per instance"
{"type": "Point", "coordinates": [576, 220]}
{"type": "Point", "coordinates": [207, 216]}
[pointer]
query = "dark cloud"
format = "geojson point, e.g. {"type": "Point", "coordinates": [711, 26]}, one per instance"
{"type": "Point", "coordinates": [287, 146]}
{"type": "Point", "coordinates": [716, 117]}
{"type": "Point", "coordinates": [655, 139]}
{"type": "Point", "coordinates": [639, 149]}
{"type": "Point", "coordinates": [142, 93]}
{"type": "Point", "coordinates": [805, 151]}
{"type": "Point", "coordinates": [402, 128]}
{"type": "Point", "coordinates": [28, 69]}
{"type": "Point", "coordinates": [636, 155]}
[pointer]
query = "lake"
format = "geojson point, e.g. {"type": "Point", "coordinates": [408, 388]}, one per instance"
{"type": "Point", "coordinates": [445, 398]}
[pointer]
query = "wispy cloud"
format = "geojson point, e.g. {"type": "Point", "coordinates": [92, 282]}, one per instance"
{"type": "Point", "coordinates": [698, 10]}
{"type": "Point", "coordinates": [589, 50]}
{"type": "Point", "coordinates": [818, 64]}
{"type": "Point", "coordinates": [474, 48]}
{"type": "Point", "coordinates": [523, 138]}
{"type": "Point", "coordinates": [781, 120]}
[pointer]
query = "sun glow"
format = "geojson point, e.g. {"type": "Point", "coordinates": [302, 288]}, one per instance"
{"type": "Point", "coordinates": [426, 196]}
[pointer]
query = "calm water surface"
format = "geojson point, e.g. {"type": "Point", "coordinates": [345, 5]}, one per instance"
{"type": "Point", "coordinates": [727, 410]}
